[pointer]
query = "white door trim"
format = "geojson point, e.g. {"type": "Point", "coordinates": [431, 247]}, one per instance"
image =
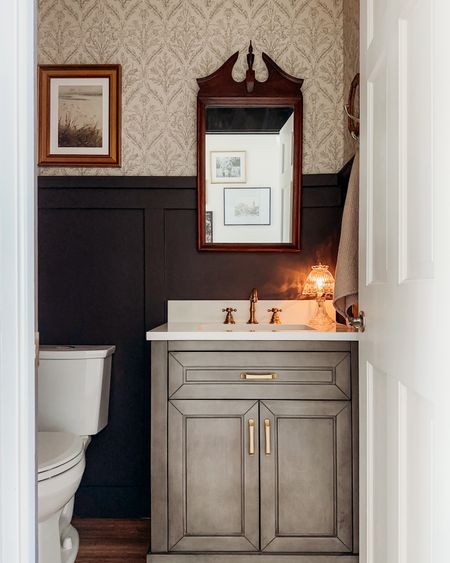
{"type": "Point", "coordinates": [17, 283]}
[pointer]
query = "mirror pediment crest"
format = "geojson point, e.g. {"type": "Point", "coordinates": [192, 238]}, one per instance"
{"type": "Point", "coordinates": [278, 81]}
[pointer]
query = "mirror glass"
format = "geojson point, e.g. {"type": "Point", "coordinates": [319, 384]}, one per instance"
{"type": "Point", "coordinates": [249, 174]}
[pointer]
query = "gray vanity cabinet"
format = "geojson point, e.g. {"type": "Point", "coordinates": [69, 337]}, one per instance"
{"type": "Point", "coordinates": [254, 451]}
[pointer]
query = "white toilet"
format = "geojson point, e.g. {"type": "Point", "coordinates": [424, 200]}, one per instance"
{"type": "Point", "coordinates": [73, 400]}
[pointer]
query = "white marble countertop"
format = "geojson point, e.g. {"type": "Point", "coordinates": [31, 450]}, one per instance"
{"type": "Point", "coordinates": [217, 331]}
{"type": "Point", "coordinates": [203, 320]}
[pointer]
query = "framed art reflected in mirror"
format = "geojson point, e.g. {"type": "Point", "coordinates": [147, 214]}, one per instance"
{"type": "Point", "coordinates": [228, 166]}
{"type": "Point", "coordinates": [247, 207]}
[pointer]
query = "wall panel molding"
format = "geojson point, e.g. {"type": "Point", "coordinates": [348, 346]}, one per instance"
{"type": "Point", "coordinates": [112, 251]}
{"type": "Point", "coordinates": [318, 190]}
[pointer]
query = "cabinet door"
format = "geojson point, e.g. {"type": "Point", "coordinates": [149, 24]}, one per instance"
{"type": "Point", "coordinates": [306, 479]}
{"type": "Point", "coordinates": [213, 476]}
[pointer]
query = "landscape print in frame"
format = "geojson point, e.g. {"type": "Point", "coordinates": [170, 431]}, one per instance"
{"type": "Point", "coordinates": [79, 115]}
{"type": "Point", "coordinates": [247, 206]}
{"type": "Point", "coordinates": [228, 166]}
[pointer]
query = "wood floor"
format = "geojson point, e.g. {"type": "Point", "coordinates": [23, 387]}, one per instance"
{"type": "Point", "coordinates": [112, 541]}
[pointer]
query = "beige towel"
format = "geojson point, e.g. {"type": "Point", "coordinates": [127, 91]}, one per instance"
{"type": "Point", "coordinates": [346, 287]}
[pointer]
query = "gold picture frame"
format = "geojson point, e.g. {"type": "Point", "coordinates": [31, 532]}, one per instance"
{"type": "Point", "coordinates": [79, 115]}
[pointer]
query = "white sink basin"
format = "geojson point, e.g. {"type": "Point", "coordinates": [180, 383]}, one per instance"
{"type": "Point", "coordinates": [203, 320]}
{"type": "Point", "coordinates": [240, 327]}
{"type": "Point", "coordinates": [293, 327]}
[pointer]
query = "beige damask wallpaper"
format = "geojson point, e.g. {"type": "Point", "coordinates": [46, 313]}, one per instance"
{"type": "Point", "coordinates": [163, 45]}
{"type": "Point", "coordinates": [351, 63]}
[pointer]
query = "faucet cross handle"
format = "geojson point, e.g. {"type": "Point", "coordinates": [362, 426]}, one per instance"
{"type": "Point", "coordinates": [275, 320]}
{"type": "Point", "coordinates": [229, 319]}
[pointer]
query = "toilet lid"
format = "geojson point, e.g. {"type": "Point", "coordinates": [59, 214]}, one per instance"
{"type": "Point", "coordinates": [57, 452]}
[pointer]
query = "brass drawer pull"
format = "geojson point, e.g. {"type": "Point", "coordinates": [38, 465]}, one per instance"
{"type": "Point", "coordinates": [258, 376]}
{"type": "Point", "coordinates": [267, 434]}
{"type": "Point", "coordinates": [251, 436]}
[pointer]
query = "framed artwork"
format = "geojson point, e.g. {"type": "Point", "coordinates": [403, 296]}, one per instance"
{"type": "Point", "coordinates": [209, 227]}
{"type": "Point", "coordinates": [79, 115]}
{"type": "Point", "coordinates": [228, 167]}
{"type": "Point", "coordinates": [246, 206]}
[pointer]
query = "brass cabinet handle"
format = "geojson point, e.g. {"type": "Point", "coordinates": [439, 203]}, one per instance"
{"type": "Point", "coordinates": [260, 376]}
{"type": "Point", "coordinates": [267, 435]}
{"type": "Point", "coordinates": [251, 436]}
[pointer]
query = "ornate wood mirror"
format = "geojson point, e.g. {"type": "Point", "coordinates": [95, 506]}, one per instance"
{"type": "Point", "coordinates": [249, 159]}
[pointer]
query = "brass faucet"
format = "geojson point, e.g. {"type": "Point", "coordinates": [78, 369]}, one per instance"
{"type": "Point", "coordinates": [253, 300]}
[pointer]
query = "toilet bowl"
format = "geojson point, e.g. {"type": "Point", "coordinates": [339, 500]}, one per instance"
{"type": "Point", "coordinates": [73, 397]}
{"type": "Point", "coordinates": [61, 463]}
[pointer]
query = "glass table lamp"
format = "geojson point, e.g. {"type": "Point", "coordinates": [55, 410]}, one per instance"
{"type": "Point", "coordinates": [320, 284]}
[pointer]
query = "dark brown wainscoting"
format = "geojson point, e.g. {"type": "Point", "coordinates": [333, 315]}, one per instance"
{"type": "Point", "coordinates": [112, 541]}
{"type": "Point", "coordinates": [112, 251]}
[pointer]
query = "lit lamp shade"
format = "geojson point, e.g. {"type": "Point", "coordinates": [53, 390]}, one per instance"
{"type": "Point", "coordinates": [320, 284]}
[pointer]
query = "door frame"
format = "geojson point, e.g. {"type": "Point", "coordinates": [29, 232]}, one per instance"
{"type": "Point", "coordinates": [17, 293]}
{"type": "Point", "coordinates": [17, 283]}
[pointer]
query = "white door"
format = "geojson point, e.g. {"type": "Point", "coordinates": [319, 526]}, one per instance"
{"type": "Point", "coordinates": [405, 281]}
{"type": "Point", "coordinates": [17, 283]}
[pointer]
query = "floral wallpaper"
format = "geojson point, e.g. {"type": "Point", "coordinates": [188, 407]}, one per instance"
{"type": "Point", "coordinates": [351, 64]}
{"type": "Point", "coordinates": [164, 45]}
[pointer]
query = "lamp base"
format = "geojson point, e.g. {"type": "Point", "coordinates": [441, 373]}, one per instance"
{"type": "Point", "coordinates": [322, 320]}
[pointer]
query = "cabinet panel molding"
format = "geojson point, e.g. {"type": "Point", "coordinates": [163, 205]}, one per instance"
{"type": "Point", "coordinates": [158, 442]}
{"type": "Point", "coordinates": [213, 479]}
{"type": "Point", "coordinates": [298, 375]}
{"type": "Point", "coordinates": [306, 483]}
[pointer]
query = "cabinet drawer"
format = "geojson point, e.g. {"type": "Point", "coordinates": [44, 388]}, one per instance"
{"type": "Point", "coordinates": [259, 375]}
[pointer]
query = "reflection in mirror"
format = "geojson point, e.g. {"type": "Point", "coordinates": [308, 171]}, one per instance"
{"type": "Point", "coordinates": [249, 174]}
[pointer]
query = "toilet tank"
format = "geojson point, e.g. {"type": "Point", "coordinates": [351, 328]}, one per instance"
{"type": "Point", "coordinates": [73, 388]}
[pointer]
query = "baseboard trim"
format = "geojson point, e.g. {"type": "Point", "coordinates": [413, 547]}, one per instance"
{"type": "Point", "coordinates": [248, 558]}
